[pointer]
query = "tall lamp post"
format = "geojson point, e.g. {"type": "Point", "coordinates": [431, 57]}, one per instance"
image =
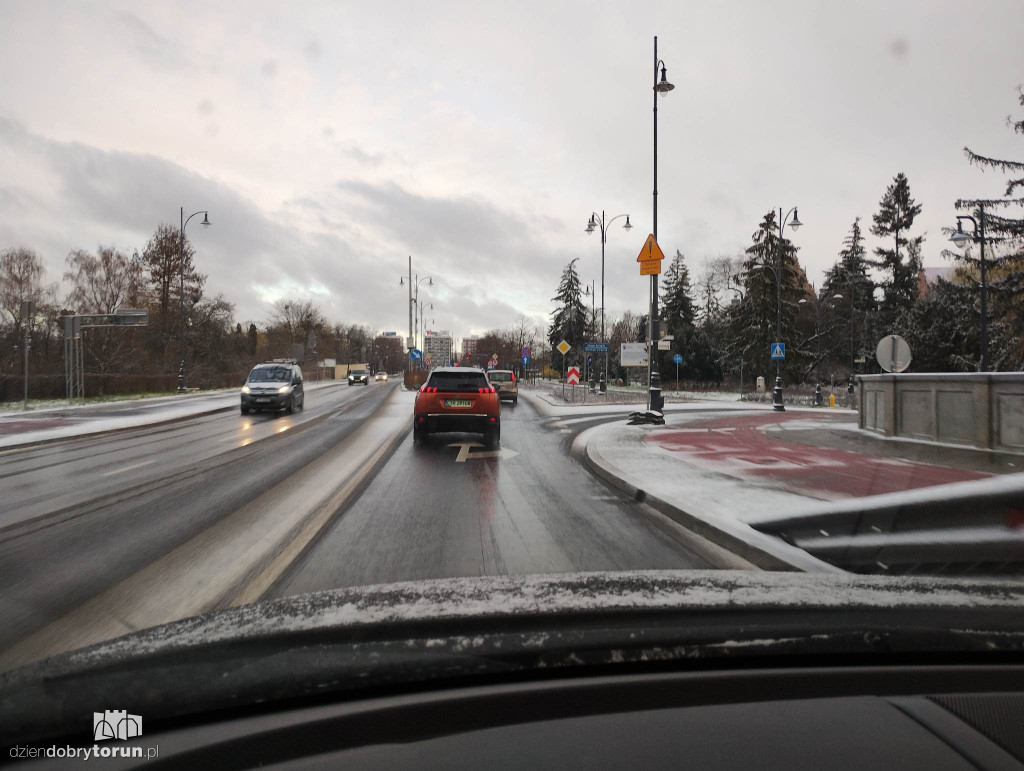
{"type": "Point", "coordinates": [181, 297]}
{"type": "Point", "coordinates": [414, 296]}
{"type": "Point", "coordinates": [424, 307]}
{"type": "Point", "coordinates": [962, 239]}
{"type": "Point", "coordinates": [817, 323]}
{"type": "Point", "coordinates": [655, 403]}
{"type": "Point", "coordinates": [592, 294]}
{"type": "Point", "coordinates": [777, 402]}
{"type": "Point", "coordinates": [603, 225]}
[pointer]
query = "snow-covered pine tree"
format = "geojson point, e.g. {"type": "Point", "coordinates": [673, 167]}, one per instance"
{"type": "Point", "coordinates": [894, 218]}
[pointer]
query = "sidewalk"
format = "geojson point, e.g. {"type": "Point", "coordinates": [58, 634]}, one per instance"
{"type": "Point", "coordinates": [718, 475]}
{"type": "Point", "coordinates": [21, 429]}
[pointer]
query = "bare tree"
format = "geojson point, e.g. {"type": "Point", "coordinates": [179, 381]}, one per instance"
{"type": "Point", "coordinates": [105, 281]}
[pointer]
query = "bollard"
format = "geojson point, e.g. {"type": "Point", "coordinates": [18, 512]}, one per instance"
{"type": "Point", "coordinates": [817, 395]}
{"type": "Point", "coordinates": [832, 400]}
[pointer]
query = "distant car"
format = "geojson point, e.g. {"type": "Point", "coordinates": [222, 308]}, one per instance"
{"type": "Point", "coordinates": [273, 386]}
{"type": "Point", "coordinates": [457, 399]}
{"type": "Point", "coordinates": [504, 381]}
{"type": "Point", "coordinates": [381, 376]}
{"type": "Point", "coordinates": [358, 376]}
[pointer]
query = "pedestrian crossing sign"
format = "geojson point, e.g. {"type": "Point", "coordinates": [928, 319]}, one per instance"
{"type": "Point", "coordinates": [778, 350]}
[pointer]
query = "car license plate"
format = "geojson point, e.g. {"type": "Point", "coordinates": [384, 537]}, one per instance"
{"type": "Point", "coordinates": [458, 403]}
{"type": "Point", "coordinates": [263, 399]}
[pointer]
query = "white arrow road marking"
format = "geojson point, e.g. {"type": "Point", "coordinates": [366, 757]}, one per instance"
{"type": "Point", "coordinates": [465, 454]}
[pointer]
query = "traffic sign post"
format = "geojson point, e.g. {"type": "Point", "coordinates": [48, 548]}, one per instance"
{"type": "Point", "coordinates": [650, 258]}
{"type": "Point", "coordinates": [416, 354]}
{"type": "Point", "coordinates": [778, 351]}
{"type": "Point", "coordinates": [573, 376]}
{"type": "Point", "coordinates": [677, 359]}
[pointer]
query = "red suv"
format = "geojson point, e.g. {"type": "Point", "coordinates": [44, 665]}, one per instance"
{"type": "Point", "coordinates": [457, 399]}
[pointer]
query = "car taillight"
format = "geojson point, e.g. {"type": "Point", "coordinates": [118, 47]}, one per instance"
{"type": "Point", "coordinates": [423, 389]}
{"type": "Point", "coordinates": [479, 390]}
{"type": "Point", "coordinates": [494, 390]}
{"type": "Point", "coordinates": [513, 377]}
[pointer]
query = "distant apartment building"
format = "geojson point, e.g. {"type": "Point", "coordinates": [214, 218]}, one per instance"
{"type": "Point", "coordinates": [469, 345]}
{"type": "Point", "coordinates": [437, 348]}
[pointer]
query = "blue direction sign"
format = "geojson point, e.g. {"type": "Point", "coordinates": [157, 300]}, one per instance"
{"type": "Point", "coordinates": [678, 358]}
{"type": "Point", "coordinates": [416, 354]}
{"type": "Point", "coordinates": [526, 361]}
{"type": "Point", "coordinates": [595, 347]}
{"type": "Point", "coordinates": [778, 350]}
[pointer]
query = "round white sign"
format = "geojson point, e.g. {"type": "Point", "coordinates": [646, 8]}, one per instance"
{"type": "Point", "coordinates": [893, 353]}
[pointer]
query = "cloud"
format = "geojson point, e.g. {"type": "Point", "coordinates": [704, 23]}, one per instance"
{"type": "Point", "coordinates": [308, 249]}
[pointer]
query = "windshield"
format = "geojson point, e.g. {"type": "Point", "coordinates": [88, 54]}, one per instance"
{"type": "Point", "coordinates": [270, 373]}
{"type": "Point", "coordinates": [670, 288]}
{"type": "Point", "coordinates": [457, 381]}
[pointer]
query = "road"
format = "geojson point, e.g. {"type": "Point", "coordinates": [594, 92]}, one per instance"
{"type": "Point", "coordinates": [102, 536]}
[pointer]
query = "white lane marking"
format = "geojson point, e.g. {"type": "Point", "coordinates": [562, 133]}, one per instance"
{"type": "Point", "coordinates": [465, 454]}
{"type": "Point", "coordinates": [128, 468]}
{"type": "Point", "coordinates": [565, 430]}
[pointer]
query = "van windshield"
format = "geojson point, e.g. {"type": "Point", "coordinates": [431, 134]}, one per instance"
{"type": "Point", "coordinates": [265, 374]}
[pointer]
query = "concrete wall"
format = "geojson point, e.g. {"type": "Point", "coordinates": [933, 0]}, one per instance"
{"type": "Point", "coordinates": [970, 409]}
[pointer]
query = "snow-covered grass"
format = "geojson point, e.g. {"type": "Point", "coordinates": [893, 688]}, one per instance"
{"type": "Point", "coordinates": [36, 405]}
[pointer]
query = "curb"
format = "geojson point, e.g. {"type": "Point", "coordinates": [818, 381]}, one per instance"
{"type": "Point", "coordinates": [799, 561]}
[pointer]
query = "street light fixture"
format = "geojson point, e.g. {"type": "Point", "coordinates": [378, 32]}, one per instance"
{"type": "Point", "coordinates": [602, 224]}
{"type": "Point", "coordinates": [181, 296]}
{"type": "Point", "coordinates": [962, 240]}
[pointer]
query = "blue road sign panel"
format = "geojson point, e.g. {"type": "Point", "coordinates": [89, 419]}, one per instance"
{"type": "Point", "coordinates": [595, 347]}
{"type": "Point", "coordinates": [778, 350]}
{"type": "Point", "coordinates": [416, 354]}
{"type": "Point", "coordinates": [526, 361]}
{"type": "Point", "coordinates": [677, 358]}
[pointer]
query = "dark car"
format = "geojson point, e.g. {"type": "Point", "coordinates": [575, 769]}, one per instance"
{"type": "Point", "coordinates": [359, 376]}
{"type": "Point", "coordinates": [273, 386]}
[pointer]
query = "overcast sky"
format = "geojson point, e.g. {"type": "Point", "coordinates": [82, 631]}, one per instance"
{"type": "Point", "coordinates": [331, 140]}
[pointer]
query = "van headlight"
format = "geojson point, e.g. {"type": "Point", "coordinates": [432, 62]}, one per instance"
{"type": "Point", "coordinates": [245, 389]}
{"type": "Point", "coordinates": [284, 389]}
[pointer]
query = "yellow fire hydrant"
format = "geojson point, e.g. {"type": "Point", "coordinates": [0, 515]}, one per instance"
{"type": "Point", "coordinates": [832, 400]}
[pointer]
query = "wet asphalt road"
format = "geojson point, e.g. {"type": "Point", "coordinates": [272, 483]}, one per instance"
{"type": "Point", "coordinates": [83, 519]}
{"type": "Point", "coordinates": [426, 515]}
{"type": "Point", "coordinates": [105, 508]}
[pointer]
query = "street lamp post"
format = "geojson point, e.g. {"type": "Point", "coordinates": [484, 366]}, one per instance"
{"type": "Point", "coordinates": [654, 399]}
{"type": "Point", "coordinates": [592, 293]}
{"type": "Point", "coordinates": [603, 224]}
{"type": "Point", "coordinates": [414, 297]}
{"type": "Point", "coordinates": [181, 297]}
{"type": "Point", "coordinates": [424, 307]}
{"type": "Point", "coordinates": [777, 401]}
{"type": "Point", "coordinates": [962, 239]}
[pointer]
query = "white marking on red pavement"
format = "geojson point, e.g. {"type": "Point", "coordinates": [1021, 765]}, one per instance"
{"type": "Point", "coordinates": [755, 449]}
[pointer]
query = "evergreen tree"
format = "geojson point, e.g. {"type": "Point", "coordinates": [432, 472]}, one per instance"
{"type": "Point", "coordinates": [849, 278]}
{"type": "Point", "coordinates": [942, 329]}
{"type": "Point", "coordinates": [752, 322]}
{"type": "Point", "coordinates": [165, 259]}
{"type": "Point", "coordinates": [1004, 256]}
{"type": "Point", "coordinates": [253, 339]}
{"type": "Point", "coordinates": [677, 309]}
{"type": "Point", "coordinates": [569, 318]}
{"type": "Point", "coordinates": [895, 216]}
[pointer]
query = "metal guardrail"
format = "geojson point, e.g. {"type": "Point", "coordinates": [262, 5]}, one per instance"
{"type": "Point", "coordinates": [966, 528]}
